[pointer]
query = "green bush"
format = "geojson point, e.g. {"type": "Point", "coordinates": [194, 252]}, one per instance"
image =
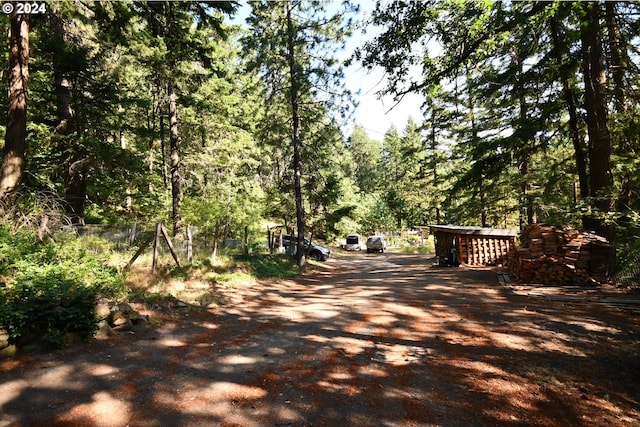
{"type": "Point", "coordinates": [48, 304]}
{"type": "Point", "coordinates": [271, 266]}
{"type": "Point", "coordinates": [50, 290]}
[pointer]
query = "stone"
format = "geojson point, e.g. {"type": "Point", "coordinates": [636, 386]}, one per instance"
{"type": "Point", "coordinates": [8, 351]}
{"type": "Point", "coordinates": [123, 327]}
{"type": "Point", "coordinates": [4, 339]}
{"type": "Point", "coordinates": [102, 311]}
{"type": "Point", "coordinates": [118, 318]}
{"type": "Point", "coordinates": [104, 329]}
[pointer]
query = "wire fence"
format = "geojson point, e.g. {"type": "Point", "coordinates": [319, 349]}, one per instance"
{"type": "Point", "coordinates": [628, 274]}
{"type": "Point", "coordinates": [128, 237]}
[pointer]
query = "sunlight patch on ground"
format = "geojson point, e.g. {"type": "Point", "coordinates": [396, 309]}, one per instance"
{"type": "Point", "coordinates": [171, 342]}
{"type": "Point", "coordinates": [222, 392]}
{"type": "Point", "coordinates": [11, 391]}
{"type": "Point", "coordinates": [104, 411]}
{"type": "Point", "coordinates": [102, 369]}
{"type": "Point", "coordinates": [595, 327]}
{"type": "Point", "coordinates": [319, 311]}
{"type": "Point", "coordinates": [511, 341]}
{"type": "Point", "coordinates": [399, 355]}
{"type": "Point", "coordinates": [236, 359]}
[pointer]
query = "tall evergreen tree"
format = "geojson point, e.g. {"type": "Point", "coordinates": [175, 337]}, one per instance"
{"type": "Point", "coordinates": [13, 159]}
{"type": "Point", "coordinates": [176, 31]}
{"type": "Point", "coordinates": [294, 43]}
{"type": "Point", "coordinates": [522, 55]}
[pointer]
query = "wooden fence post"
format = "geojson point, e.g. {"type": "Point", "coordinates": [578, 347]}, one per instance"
{"type": "Point", "coordinates": [215, 241]}
{"type": "Point", "coordinates": [168, 240]}
{"type": "Point", "coordinates": [132, 234]}
{"type": "Point", "coordinates": [156, 242]}
{"type": "Point", "coordinates": [189, 245]}
{"type": "Point", "coordinates": [139, 251]}
{"type": "Point", "coordinates": [246, 240]}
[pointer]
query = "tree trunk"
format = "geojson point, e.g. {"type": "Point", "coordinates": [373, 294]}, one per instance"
{"type": "Point", "coordinates": [61, 83]}
{"type": "Point", "coordinates": [295, 127]}
{"type": "Point", "coordinates": [568, 94]}
{"type": "Point", "coordinates": [626, 145]}
{"type": "Point", "coordinates": [77, 172]}
{"type": "Point", "coordinates": [13, 159]}
{"type": "Point", "coordinates": [600, 178]}
{"type": "Point", "coordinates": [76, 190]}
{"type": "Point", "coordinates": [174, 142]}
{"type": "Point", "coordinates": [475, 141]}
{"type": "Point", "coordinates": [525, 149]}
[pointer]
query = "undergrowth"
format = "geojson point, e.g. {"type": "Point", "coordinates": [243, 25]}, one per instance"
{"type": "Point", "coordinates": [49, 289]}
{"type": "Point", "coordinates": [270, 266]}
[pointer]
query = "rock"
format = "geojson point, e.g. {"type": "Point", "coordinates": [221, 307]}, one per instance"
{"type": "Point", "coordinates": [102, 311]}
{"type": "Point", "coordinates": [138, 318]}
{"type": "Point", "coordinates": [117, 318]}
{"type": "Point", "coordinates": [4, 339]}
{"type": "Point", "coordinates": [125, 308]}
{"type": "Point", "coordinates": [127, 325]}
{"type": "Point", "coordinates": [104, 329]}
{"type": "Point", "coordinates": [8, 351]}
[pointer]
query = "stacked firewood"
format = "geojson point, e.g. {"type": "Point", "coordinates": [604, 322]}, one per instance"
{"type": "Point", "coordinates": [560, 256]}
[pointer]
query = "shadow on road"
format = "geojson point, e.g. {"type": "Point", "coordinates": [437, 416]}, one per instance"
{"type": "Point", "coordinates": [383, 340]}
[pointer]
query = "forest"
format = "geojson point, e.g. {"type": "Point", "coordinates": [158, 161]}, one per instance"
{"type": "Point", "coordinates": [156, 111]}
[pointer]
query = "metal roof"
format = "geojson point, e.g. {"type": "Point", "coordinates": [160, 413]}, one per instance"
{"type": "Point", "coordinates": [476, 231]}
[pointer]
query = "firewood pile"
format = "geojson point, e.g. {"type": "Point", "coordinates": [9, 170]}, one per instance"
{"type": "Point", "coordinates": [560, 256]}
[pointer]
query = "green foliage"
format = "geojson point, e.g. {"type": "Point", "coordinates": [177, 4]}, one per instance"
{"type": "Point", "coordinates": [48, 302]}
{"type": "Point", "coordinates": [51, 289]}
{"type": "Point", "coordinates": [271, 266]}
{"type": "Point", "coordinates": [628, 251]}
{"type": "Point", "coordinates": [501, 82]}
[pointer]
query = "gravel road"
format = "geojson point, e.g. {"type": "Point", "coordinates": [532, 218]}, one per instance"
{"type": "Point", "coordinates": [367, 340]}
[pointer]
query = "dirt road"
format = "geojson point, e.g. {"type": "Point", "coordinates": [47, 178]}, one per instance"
{"type": "Point", "coordinates": [369, 340]}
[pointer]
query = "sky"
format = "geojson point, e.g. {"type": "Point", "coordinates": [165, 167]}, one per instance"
{"type": "Point", "coordinates": [373, 114]}
{"type": "Point", "coordinates": [376, 115]}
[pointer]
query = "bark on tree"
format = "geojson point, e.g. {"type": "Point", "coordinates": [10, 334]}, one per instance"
{"type": "Point", "coordinates": [295, 128]}
{"type": "Point", "coordinates": [62, 83]}
{"type": "Point", "coordinates": [618, 58]}
{"type": "Point", "coordinates": [174, 142]}
{"type": "Point", "coordinates": [600, 177]}
{"type": "Point", "coordinates": [568, 94]}
{"type": "Point", "coordinates": [13, 160]}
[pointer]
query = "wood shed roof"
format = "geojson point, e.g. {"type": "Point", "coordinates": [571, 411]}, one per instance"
{"type": "Point", "coordinates": [475, 231]}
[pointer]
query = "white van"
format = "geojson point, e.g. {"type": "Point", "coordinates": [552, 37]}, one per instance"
{"type": "Point", "coordinates": [354, 242]}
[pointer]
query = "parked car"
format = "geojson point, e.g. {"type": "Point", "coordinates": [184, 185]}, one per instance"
{"type": "Point", "coordinates": [376, 244]}
{"type": "Point", "coordinates": [317, 252]}
{"type": "Point", "coordinates": [354, 242]}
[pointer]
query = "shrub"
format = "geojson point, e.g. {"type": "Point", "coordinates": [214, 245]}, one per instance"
{"type": "Point", "coordinates": [48, 303]}
{"type": "Point", "coordinates": [51, 289]}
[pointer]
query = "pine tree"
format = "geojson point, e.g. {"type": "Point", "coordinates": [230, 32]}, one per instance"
{"type": "Point", "coordinates": [13, 159]}
{"type": "Point", "coordinates": [292, 43]}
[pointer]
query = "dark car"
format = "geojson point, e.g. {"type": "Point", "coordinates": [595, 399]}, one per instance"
{"type": "Point", "coordinates": [376, 244]}
{"type": "Point", "coordinates": [317, 252]}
